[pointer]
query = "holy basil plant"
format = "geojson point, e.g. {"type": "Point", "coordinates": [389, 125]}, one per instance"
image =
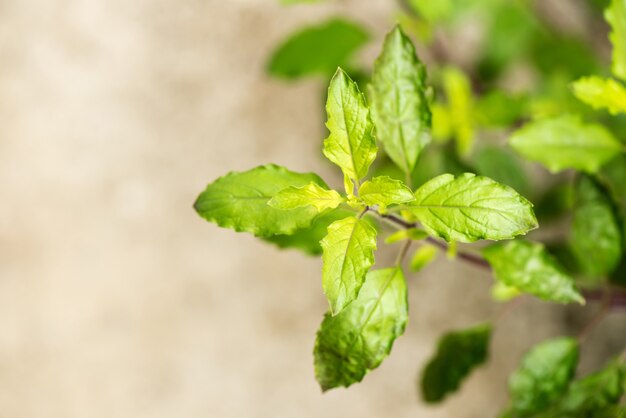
{"type": "Point", "coordinates": [395, 127]}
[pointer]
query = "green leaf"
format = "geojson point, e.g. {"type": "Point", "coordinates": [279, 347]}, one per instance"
{"type": "Point", "coordinates": [601, 93]}
{"type": "Point", "coordinates": [458, 354]}
{"type": "Point", "coordinates": [422, 257]}
{"type": "Point", "coordinates": [360, 337]}
{"type": "Point", "coordinates": [596, 237]}
{"type": "Point", "coordinates": [531, 269]}
{"type": "Point", "coordinates": [351, 143]}
{"type": "Point", "coordinates": [566, 142]}
{"type": "Point", "coordinates": [348, 253]}
{"type": "Point", "coordinates": [385, 191]}
{"type": "Point", "coordinates": [460, 101]}
{"type": "Point", "coordinates": [616, 16]}
{"type": "Point", "coordinates": [613, 177]}
{"type": "Point", "coordinates": [399, 104]}
{"type": "Point", "coordinates": [239, 201]}
{"type": "Point", "coordinates": [469, 208]}
{"type": "Point", "coordinates": [503, 166]}
{"type": "Point", "coordinates": [318, 49]}
{"type": "Point", "coordinates": [500, 292]}
{"type": "Point", "coordinates": [594, 392]}
{"type": "Point", "coordinates": [310, 195]}
{"type": "Point", "coordinates": [414, 234]}
{"type": "Point", "coordinates": [543, 376]}
{"type": "Point", "coordinates": [308, 239]}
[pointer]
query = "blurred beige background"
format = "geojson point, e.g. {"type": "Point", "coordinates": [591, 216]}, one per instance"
{"type": "Point", "coordinates": [116, 300]}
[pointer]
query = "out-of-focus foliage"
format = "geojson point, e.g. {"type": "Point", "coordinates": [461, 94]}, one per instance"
{"type": "Point", "coordinates": [458, 353]}
{"type": "Point", "coordinates": [318, 49]}
{"type": "Point", "coordinates": [527, 89]}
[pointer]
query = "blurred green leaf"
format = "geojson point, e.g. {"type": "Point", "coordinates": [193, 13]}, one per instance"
{"type": "Point", "coordinates": [566, 142]}
{"type": "Point", "coordinates": [555, 202]}
{"type": "Point", "coordinates": [601, 93]}
{"type": "Point", "coordinates": [500, 292]}
{"type": "Point", "coordinates": [543, 377]}
{"type": "Point", "coordinates": [613, 177]}
{"type": "Point", "coordinates": [502, 166]}
{"type": "Point", "coordinates": [500, 109]}
{"type": "Point", "coordinates": [616, 16]}
{"type": "Point", "coordinates": [361, 336]}
{"type": "Point", "coordinates": [318, 49]}
{"type": "Point", "coordinates": [530, 268]}
{"type": "Point", "coordinates": [596, 237]}
{"type": "Point", "coordinates": [594, 392]}
{"type": "Point", "coordinates": [458, 91]}
{"type": "Point", "coordinates": [510, 30]}
{"type": "Point", "coordinates": [458, 353]}
{"type": "Point", "coordinates": [422, 257]}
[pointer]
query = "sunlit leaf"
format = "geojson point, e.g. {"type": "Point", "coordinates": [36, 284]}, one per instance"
{"type": "Point", "coordinates": [469, 208]}
{"type": "Point", "coordinates": [361, 336]}
{"type": "Point", "coordinates": [348, 253]}
{"type": "Point", "coordinates": [400, 107]}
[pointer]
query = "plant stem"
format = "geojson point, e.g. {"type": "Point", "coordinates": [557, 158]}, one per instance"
{"type": "Point", "coordinates": [598, 317]}
{"type": "Point", "coordinates": [616, 298]}
{"type": "Point", "coordinates": [403, 251]}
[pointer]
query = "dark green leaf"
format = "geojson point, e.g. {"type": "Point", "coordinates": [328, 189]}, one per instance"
{"type": "Point", "coordinates": [239, 201]}
{"type": "Point", "coordinates": [543, 377]}
{"type": "Point", "coordinates": [595, 392]}
{"type": "Point", "coordinates": [318, 49]}
{"type": "Point", "coordinates": [596, 237]}
{"type": "Point", "coordinates": [361, 336]}
{"type": "Point", "coordinates": [503, 167]}
{"type": "Point", "coordinates": [458, 353]}
{"type": "Point", "coordinates": [531, 269]}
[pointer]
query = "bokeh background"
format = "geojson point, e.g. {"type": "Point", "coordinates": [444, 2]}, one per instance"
{"type": "Point", "coordinates": [116, 299]}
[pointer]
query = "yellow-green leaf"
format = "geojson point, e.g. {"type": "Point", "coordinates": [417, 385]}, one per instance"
{"type": "Point", "coordinates": [469, 208]}
{"type": "Point", "coordinates": [616, 16]}
{"type": "Point", "coordinates": [422, 257]}
{"type": "Point", "coordinates": [348, 253]}
{"type": "Point", "coordinates": [384, 191]}
{"type": "Point", "coordinates": [310, 195]}
{"type": "Point", "coordinates": [351, 143]}
{"type": "Point", "coordinates": [458, 353]}
{"type": "Point", "coordinates": [239, 201]}
{"type": "Point", "coordinates": [601, 93]}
